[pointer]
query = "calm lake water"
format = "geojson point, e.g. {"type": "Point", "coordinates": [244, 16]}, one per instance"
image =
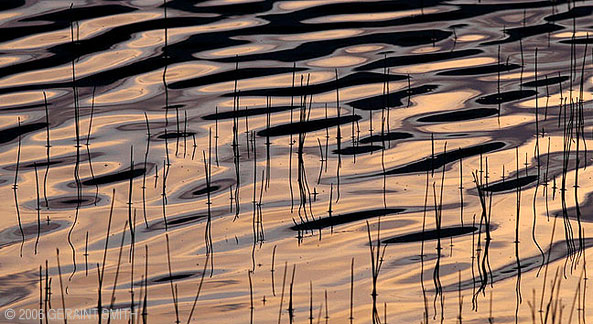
{"type": "Point", "coordinates": [231, 161]}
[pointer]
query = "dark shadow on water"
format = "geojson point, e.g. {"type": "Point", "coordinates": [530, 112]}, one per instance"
{"type": "Point", "coordinates": [315, 49]}
{"type": "Point", "coordinates": [358, 149]}
{"type": "Point", "coordinates": [173, 277]}
{"type": "Point", "coordinates": [9, 134]}
{"type": "Point", "coordinates": [344, 219]}
{"type": "Point", "coordinates": [459, 115]}
{"type": "Point", "coordinates": [440, 160]}
{"type": "Point", "coordinates": [431, 234]}
{"type": "Point", "coordinates": [417, 59]}
{"type": "Point", "coordinates": [515, 34]}
{"type": "Point", "coordinates": [119, 176]}
{"type": "Point", "coordinates": [202, 189]}
{"type": "Point", "coordinates": [585, 210]}
{"type": "Point", "coordinates": [503, 97]}
{"type": "Point", "coordinates": [478, 70]}
{"type": "Point", "coordinates": [205, 190]}
{"type": "Point", "coordinates": [58, 160]}
{"type": "Point", "coordinates": [358, 78]}
{"type": "Point", "coordinates": [177, 221]}
{"type": "Point", "coordinates": [183, 220]}
{"type": "Point", "coordinates": [511, 184]}
{"type": "Point", "coordinates": [12, 235]}
{"type": "Point", "coordinates": [558, 251]}
{"type": "Point", "coordinates": [69, 202]}
{"type": "Point", "coordinates": [171, 135]}
{"type": "Point", "coordinates": [391, 100]}
{"type": "Point", "coordinates": [307, 126]}
{"type": "Point", "coordinates": [578, 41]}
{"type": "Point", "coordinates": [574, 12]}
{"type": "Point", "coordinates": [392, 136]}
{"type": "Point", "coordinates": [542, 82]}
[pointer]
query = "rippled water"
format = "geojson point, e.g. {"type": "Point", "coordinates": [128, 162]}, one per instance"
{"type": "Point", "coordinates": [257, 147]}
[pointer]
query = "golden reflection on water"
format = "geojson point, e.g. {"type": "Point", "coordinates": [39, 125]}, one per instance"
{"type": "Point", "coordinates": [282, 80]}
{"type": "Point", "coordinates": [557, 98]}
{"type": "Point", "coordinates": [571, 34]}
{"type": "Point", "coordinates": [178, 72]}
{"type": "Point", "coordinates": [431, 67]}
{"type": "Point", "coordinates": [6, 60]}
{"type": "Point", "coordinates": [364, 48]}
{"type": "Point", "coordinates": [322, 259]}
{"type": "Point", "coordinates": [323, 35]}
{"type": "Point", "coordinates": [240, 50]}
{"type": "Point", "coordinates": [427, 49]}
{"type": "Point", "coordinates": [302, 4]}
{"type": "Point", "coordinates": [8, 15]}
{"type": "Point", "coordinates": [356, 92]}
{"type": "Point", "coordinates": [25, 97]}
{"type": "Point", "coordinates": [146, 85]}
{"type": "Point", "coordinates": [443, 101]}
{"type": "Point", "coordinates": [83, 68]}
{"type": "Point", "coordinates": [84, 30]}
{"type": "Point", "coordinates": [337, 61]}
{"type": "Point", "coordinates": [252, 102]}
{"type": "Point", "coordinates": [511, 75]}
{"type": "Point", "coordinates": [471, 38]}
{"type": "Point", "coordinates": [157, 37]}
{"type": "Point", "coordinates": [129, 93]}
